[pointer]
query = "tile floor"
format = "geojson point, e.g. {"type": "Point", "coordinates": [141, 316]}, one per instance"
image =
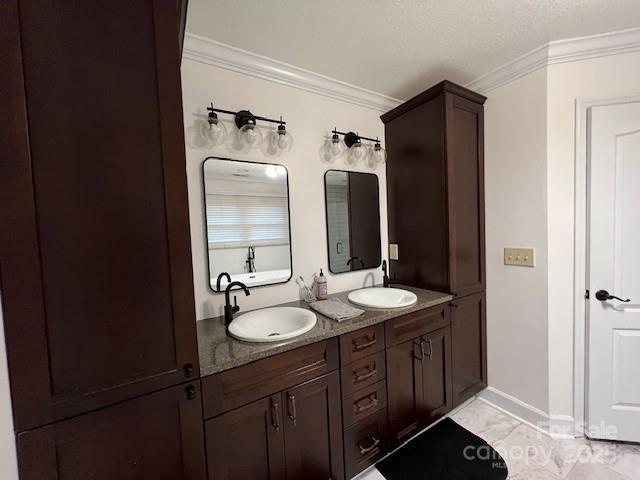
{"type": "Point", "coordinates": [532, 455]}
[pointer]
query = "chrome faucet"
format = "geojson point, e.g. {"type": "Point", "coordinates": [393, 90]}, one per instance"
{"type": "Point", "coordinates": [229, 310]}
{"type": "Point", "coordinates": [385, 277]}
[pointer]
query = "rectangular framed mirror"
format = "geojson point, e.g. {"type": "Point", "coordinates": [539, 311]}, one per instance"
{"type": "Point", "coordinates": [352, 204]}
{"type": "Point", "coordinates": [247, 222]}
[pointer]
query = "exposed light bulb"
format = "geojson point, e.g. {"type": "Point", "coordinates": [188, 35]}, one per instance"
{"type": "Point", "coordinates": [216, 132]}
{"type": "Point", "coordinates": [379, 154]}
{"type": "Point", "coordinates": [282, 140]}
{"type": "Point", "coordinates": [250, 135]}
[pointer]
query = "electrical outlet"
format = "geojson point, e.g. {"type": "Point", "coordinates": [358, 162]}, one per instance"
{"type": "Point", "coordinates": [393, 251]}
{"type": "Point", "coordinates": [520, 257]}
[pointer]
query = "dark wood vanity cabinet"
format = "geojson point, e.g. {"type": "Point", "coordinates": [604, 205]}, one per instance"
{"type": "Point", "coordinates": [435, 190]}
{"type": "Point", "coordinates": [419, 372]}
{"type": "Point", "coordinates": [469, 346]}
{"type": "Point", "coordinates": [97, 283]}
{"type": "Point", "coordinates": [293, 432]}
{"type": "Point", "coordinates": [155, 436]}
{"type": "Point", "coordinates": [435, 200]}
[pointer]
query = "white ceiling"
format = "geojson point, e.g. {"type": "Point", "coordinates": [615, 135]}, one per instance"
{"type": "Point", "coordinates": [401, 47]}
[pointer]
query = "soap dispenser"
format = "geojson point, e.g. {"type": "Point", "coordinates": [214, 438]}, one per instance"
{"type": "Point", "coordinates": [321, 286]}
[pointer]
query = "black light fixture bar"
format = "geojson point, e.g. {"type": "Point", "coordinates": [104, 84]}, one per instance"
{"type": "Point", "coordinates": [245, 114]}
{"type": "Point", "coordinates": [351, 138]}
{"type": "Point", "coordinates": [344, 134]}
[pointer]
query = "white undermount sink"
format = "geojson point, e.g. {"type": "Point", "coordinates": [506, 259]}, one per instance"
{"type": "Point", "coordinates": [272, 324]}
{"type": "Point", "coordinates": [379, 297]}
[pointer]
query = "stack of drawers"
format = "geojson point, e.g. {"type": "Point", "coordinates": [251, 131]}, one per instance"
{"type": "Point", "coordinates": [364, 397]}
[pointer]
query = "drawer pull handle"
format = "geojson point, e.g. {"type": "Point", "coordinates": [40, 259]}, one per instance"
{"type": "Point", "coordinates": [374, 444]}
{"type": "Point", "coordinates": [370, 341]}
{"type": "Point", "coordinates": [366, 403]}
{"type": "Point", "coordinates": [274, 415]}
{"type": "Point", "coordinates": [359, 377]}
{"type": "Point", "coordinates": [292, 408]}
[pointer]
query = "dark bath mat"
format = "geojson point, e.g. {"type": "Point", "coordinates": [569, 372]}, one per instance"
{"type": "Point", "coordinates": [444, 452]}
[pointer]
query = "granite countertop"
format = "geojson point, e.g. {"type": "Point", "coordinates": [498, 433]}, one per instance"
{"type": "Point", "coordinates": [219, 351]}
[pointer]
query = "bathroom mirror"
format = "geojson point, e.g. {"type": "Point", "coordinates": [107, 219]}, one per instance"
{"type": "Point", "coordinates": [352, 204]}
{"type": "Point", "coordinates": [247, 220]}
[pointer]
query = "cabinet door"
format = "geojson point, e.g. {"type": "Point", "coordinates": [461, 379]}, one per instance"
{"type": "Point", "coordinates": [469, 347]}
{"type": "Point", "coordinates": [465, 185]}
{"type": "Point", "coordinates": [313, 430]}
{"type": "Point", "coordinates": [435, 349]}
{"type": "Point", "coordinates": [405, 389]}
{"type": "Point", "coordinates": [97, 282]}
{"type": "Point", "coordinates": [154, 437]}
{"type": "Point", "coordinates": [248, 442]}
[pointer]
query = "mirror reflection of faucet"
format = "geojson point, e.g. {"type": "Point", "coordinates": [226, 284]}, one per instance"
{"type": "Point", "coordinates": [250, 261]}
{"type": "Point", "coordinates": [356, 259]}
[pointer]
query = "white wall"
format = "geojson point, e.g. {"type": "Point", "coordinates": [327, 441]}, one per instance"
{"type": "Point", "coordinates": [516, 216]}
{"type": "Point", "coordinates": [8, 461]}
{"type": "Point", "coordinates": [309, 118]}
{"type": "Point", "coordinates": [603, 77]}
{"type": "Point", "coordinates": [530, 175]}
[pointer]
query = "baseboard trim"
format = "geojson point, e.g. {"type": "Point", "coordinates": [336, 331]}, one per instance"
{"type": "Point", "coordinates": [516, 408]}
{"type": "Point", "coordinates": [560, 427]}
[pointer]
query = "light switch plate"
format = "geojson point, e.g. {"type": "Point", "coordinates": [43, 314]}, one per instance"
{"type": "Point", "coordinates": [393, 251]}
{"type": "Point", "coordinates": [520, 257]}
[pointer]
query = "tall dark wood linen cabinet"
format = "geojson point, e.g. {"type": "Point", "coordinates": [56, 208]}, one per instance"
{"type": "Point", "coordinates": [435, 198]}
{"type": "Point", "coordinates": [95, 261]}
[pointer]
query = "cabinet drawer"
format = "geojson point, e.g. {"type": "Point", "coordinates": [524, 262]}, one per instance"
{"type": "Point", "coordinates": [361, 343]}
{"type": "Point", "coordinates": [364, 403]}
{"type": "Point", "coordinates": [415, 324]}
{"type": "Point", "coordinates": [239, 386]}
{"type": "Point", "coordinates": [362, 373]}
{"type": "Point", "coordinates": [365, 443]}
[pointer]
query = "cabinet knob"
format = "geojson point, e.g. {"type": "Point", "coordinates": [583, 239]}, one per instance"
{"type": "Point", "coordinates": [191, 392]}
{"type": "Point", "coordinates": [189, 370]}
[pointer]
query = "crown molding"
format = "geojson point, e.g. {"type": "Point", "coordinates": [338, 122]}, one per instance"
{"type": "Point", "coordinates": [207, 51]}
{"type": "Point", "coordinates": [560, 51]}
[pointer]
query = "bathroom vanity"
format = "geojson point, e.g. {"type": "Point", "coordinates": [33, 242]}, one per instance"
{"type": "Point", "coordinates": [110, 376]}
{"type": "Point", "coordinates": [333, 401]}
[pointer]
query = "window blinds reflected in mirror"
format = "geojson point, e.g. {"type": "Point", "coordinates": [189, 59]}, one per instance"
{"type": "Point", "coordinates": [247, 221]}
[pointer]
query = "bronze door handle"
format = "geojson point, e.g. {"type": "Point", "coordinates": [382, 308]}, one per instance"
{"type": "Point", "coordinates": [292, 408]}
{"type": "Point", "coordinates": [274, 415]}
{"type": "Point", "coordinates": [422, 344]}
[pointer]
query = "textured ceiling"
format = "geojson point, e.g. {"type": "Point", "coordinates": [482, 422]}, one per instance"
{"type": "Point", "coordinates": [400, 47]}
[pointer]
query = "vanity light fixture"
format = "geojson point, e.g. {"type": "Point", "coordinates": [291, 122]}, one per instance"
{"type": "Point", "coordinates": [357, 150]}
{"type": "Point", "coordinates": [250, 135]}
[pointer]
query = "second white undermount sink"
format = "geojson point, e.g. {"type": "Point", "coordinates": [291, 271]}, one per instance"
{"type": "Point", "coordinates": [380, 297]}
{"type": "Point", "coordinates": [272, 324]}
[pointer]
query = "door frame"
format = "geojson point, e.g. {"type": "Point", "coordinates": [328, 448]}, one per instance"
{"type": "Point", "coordinates": [581, 236]}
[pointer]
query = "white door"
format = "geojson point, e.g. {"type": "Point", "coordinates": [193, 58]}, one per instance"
{"type": "Point", "coordinates": [613, 403]}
